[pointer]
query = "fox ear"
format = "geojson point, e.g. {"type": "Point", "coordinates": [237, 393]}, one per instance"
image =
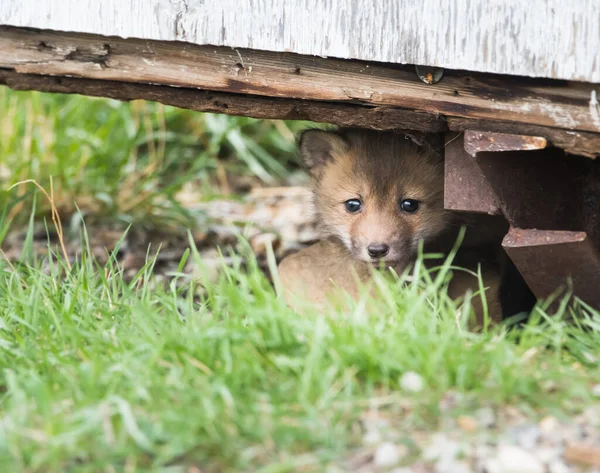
{"type": "Point", "coordinates": [317, 148]}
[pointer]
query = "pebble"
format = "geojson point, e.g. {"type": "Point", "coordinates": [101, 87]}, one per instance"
{"type": "Point", "coordinates": [412, 382]}
{"type": "Point", "coordinates": [549, 425]}
{"type": "Point", "coordinates": [486, 417]}
{"type": "Point", "coordinates": [558, 466]}
{"type": "Point", "coordinates": [388, 455]}
{"type": "Point", "coordinates": [441, 449]}
{"type": "Point", "coordinates": [583, 454]}
{"type": "Point", "coordinates": [511, 459]}
{"type": "Point", "coordinates": [467, 423]}
{"type": "Point", "coordinates": [521, 445]}
{"type": "Point", "coordinates": [548, 454]}
{"type": "Point", "coordinates": [571, 434]}
{"type": "Point", "coordinates": [452, 467]}
{"type": "Point", "coordinates": [526, 436]}
{"type": "Point", "coordinates": [372, 437]}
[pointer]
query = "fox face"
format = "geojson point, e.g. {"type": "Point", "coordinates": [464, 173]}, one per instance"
{"type": "Point", "coordinates": [378, 193]}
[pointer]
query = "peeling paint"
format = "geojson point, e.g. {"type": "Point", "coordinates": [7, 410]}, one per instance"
{"type": "Point", "coordinates": [559, 115]}
{"type": "Point", "coordinates": [539, 38]}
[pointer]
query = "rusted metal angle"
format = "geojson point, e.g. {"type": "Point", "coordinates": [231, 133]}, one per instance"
{"type": "Point", "coordinates": [479, 141]}
{"type": "Point", "coordinates": [516, 175]}
{"type": "Point", "coordinates": [542, 189]}
{"type": "Point", "coordinates": [548, 259]}
{"type": "Point", "coordinates": [466, 188]}
{"type": "Point", "coordinates": [551, 202]}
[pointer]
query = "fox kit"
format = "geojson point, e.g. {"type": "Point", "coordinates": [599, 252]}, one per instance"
{"type": "Point", "coordinates": [378, 195]}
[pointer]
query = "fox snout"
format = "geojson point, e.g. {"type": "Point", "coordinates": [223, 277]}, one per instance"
{"type": "Point", "coordinates": [395, 252]}
{"type": "Point", "coordinates": [378, 250]}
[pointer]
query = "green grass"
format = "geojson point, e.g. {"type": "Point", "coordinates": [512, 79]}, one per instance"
{"type": "Point", "coordinates": [127, 161]}
{"type": "Point", "coordinates": [98, 374]}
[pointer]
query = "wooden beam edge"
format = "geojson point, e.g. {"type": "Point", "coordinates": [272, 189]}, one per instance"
{"type": "Point", "coordinates": [459, 95]}
{"type": "Point", "coordinates": [338, 113]}
{"type": "Point", "coordinates": [342, 114]}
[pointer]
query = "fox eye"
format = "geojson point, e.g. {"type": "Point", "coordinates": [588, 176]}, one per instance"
{"type": "Point", "coordinates": [409, 205]}
{"type": "Point", "coordinates": [352, 205]}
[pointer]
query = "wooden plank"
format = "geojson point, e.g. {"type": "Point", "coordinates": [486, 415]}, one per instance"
{"type": "Point", "coordinates": [343, 114]}
{"type": "Point", "coordinates": [339, 113]}
{"type": "Point", "coordinates": [540, 38]}
{"type": "Point", "coordinates": [567, 105]}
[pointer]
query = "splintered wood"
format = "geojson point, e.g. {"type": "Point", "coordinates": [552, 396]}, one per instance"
{"type": "Point", "coordinates": [284, 85]}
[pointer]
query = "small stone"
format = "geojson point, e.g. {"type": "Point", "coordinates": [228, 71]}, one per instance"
{"type": "Point", "coordinates": [388, 455]}
{"type": "Point", "coordinates": [596, 390]}
{"type": "Point", "coordinates": [452, 466]}
{"type": "Point", "coordinates": [491, 465]}
{"type": "Point", "coordinates": [441, 449]}
{"type": "Point", "coordinates": [558, 466]}
{"type": "Point", "coordinates": [590, 416]}
{"type": "Point", "coordinates": [511, 459]}
{"type": "Point", "coordinates": [571, 434]}
{"type": "Point", "coordinates": [549, 425]}
{"type": "Point", "coordinates": [583, 454]}
{"type": "Point", "coordinates": [412, 382]}
{"type": "Point", "coordinates": [486, 417]}
{"type": "Point", "coordinates": [372, 437]}
{"type": "Point", "coordinates": [482, 452]}
{"type": "Point", "coordinates": [526, 436]}
{"type": "Point", "coordinates": [467, 423]}
{"type": "Point", "coordinates": [380, 424]}
{"type": "Point", "coordinates": [547, 454]}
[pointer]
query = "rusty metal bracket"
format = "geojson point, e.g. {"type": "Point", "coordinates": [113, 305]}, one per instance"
{"type": "Point", "coordinates": [547, 259]}
{"type": "Point", "coordinates": [480, 142]}
{"type": "Point", "coordinates": [552, 203]}
{"type": "Point", "coordinates": [466, 188]}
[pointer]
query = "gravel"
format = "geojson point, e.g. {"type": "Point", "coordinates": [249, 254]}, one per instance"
{"type": "Point", "coordinates": [487, 440]}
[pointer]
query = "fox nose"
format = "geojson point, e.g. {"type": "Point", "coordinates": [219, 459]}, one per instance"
{"type": "Point", "coordinates": [378, 250]}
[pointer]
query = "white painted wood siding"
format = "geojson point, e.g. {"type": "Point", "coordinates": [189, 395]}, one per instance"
{"type": "Point", "coordinates": [541, 38]}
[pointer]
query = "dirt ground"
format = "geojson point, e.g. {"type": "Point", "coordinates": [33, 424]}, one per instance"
{"type": "Point", "coordinates": [279, 216]}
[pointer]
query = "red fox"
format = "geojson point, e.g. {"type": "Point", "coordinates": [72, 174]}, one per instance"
{"type": "Point", "coordinates": [377, 196]}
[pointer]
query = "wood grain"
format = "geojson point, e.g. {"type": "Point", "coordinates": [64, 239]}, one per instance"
{"type": "Point", "coordinates": [538, 38]}
{"type": "Point", "coordinates": [344, 114]}
{"type": "Point", "coordinates": [565, 105]}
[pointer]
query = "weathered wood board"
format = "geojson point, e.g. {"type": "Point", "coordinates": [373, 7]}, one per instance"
{"type": "Point", "coordinates": [294, 76]}
{"type": "Point", "coordinates": [285, 85]}
{"type": "Point", "coordinates": [540, 38]}
{"type": "Point", "coordinates": [339, 113]}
